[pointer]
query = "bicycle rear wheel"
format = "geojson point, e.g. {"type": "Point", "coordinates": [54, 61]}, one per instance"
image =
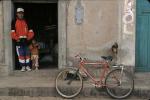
{"type": "Point", "coordinates": [119, 85]}
{"type": "Point", "coordinates": [69, 83]}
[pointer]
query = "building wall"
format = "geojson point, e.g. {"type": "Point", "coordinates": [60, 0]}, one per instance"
{"type": "Point", "coordinates": [102, 26]}
{"type": "Point", "coordinates": [1, 35]}
{"type": "Point", "coordinates": [128, 34]}
{"type": "Point", "coordinates": [5, 40]}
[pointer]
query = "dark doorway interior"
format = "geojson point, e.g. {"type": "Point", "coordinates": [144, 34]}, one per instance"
{"type": "Point", "coordinates": [44, 20]}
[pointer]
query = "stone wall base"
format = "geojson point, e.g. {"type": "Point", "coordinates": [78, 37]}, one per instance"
{"type": "Point", "coordinates": [4, 71]}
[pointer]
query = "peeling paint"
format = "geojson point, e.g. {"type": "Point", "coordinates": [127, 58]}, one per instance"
{"type": "Point", "coordinates": [128, 18]}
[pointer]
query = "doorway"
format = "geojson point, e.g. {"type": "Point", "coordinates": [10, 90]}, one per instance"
{"type": "Point", "coordinates": [44, 19]}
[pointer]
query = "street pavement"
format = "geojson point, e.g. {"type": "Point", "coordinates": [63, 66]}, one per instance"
{"type": "Point", "coordinates": [59, 98]}
{"type": "Point", "coordinates": [21, 86]}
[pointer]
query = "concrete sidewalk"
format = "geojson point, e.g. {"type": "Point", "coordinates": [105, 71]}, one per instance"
{"type": "Point", "coordinates": [59, 98]}
{"type": "Point", "coordinates": [42, 83]}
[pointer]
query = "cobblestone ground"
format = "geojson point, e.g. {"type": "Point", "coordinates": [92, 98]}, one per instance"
{"type": "Point", "coordinates": [59, 98]}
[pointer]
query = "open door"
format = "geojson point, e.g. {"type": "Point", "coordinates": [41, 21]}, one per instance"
{"type": "Point", "coordinates": [44, 19]}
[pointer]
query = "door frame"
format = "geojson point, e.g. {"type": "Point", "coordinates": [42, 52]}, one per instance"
{"type": "Point", "coordinates": [62, 31]}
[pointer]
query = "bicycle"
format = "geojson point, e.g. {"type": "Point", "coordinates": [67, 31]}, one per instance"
{"type": "Point", "coordinates": [118, 82]}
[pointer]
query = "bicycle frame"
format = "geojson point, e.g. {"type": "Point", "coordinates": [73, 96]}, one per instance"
{"type": "Point", "coordinates": [105, 67]}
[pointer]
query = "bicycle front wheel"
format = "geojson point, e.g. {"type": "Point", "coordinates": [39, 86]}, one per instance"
{"type": "Point", "coordinates": [119, 84]}
{"type": "Point", "coordinates": [69, 83]}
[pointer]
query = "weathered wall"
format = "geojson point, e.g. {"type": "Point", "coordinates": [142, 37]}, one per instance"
{"type": "Point", "coordinates": [3, 68]}
{"type": "Point", "coordinates": [98, 31]}
{"type": "Point", "coordinates": [103, 24]}
{"type": "Point", "coordinates": [6, 64]}
{"type": "Point", "coordinates": [127, 37]}
{"type": "Point", "coordinates": [1, 35]}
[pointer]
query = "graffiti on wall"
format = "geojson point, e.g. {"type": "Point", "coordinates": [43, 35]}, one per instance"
{"type": "Point", "coordinates": [128, 17]}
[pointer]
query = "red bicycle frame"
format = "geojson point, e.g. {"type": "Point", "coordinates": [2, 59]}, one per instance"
{"type": "Point", "coordinates": [105, 67]}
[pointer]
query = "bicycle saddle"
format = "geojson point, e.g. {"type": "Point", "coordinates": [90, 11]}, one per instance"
{"type": "Point", "coordinates": [107, 58]}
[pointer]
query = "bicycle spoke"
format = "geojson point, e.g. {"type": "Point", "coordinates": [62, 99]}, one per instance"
{"type": "Point", "coordinates": [119, 85]}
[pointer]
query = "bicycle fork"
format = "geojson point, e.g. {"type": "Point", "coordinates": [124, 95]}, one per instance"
{"type": "Point", "coordinates": [122, 68]}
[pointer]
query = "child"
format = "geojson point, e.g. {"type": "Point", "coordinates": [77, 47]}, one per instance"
{"type": "Point", "coordinates": [34, 48]}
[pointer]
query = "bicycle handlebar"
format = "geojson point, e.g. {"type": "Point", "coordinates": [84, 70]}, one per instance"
{"type": "Point", "coordinates": [78, 56]}
{"type": "Point", "coordinates": [81, 58]}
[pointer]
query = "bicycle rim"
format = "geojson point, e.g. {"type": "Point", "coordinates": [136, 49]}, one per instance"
{"type": "Point", "coordinates": [68, 85]}
{"type": "Point", "coordinates": [116, 89]}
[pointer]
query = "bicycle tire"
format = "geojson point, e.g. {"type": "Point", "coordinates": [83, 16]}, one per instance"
{"type": "Point", "coordinates": [68, 92]}
{"type": "Point", "coordinates": [118, 89]}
